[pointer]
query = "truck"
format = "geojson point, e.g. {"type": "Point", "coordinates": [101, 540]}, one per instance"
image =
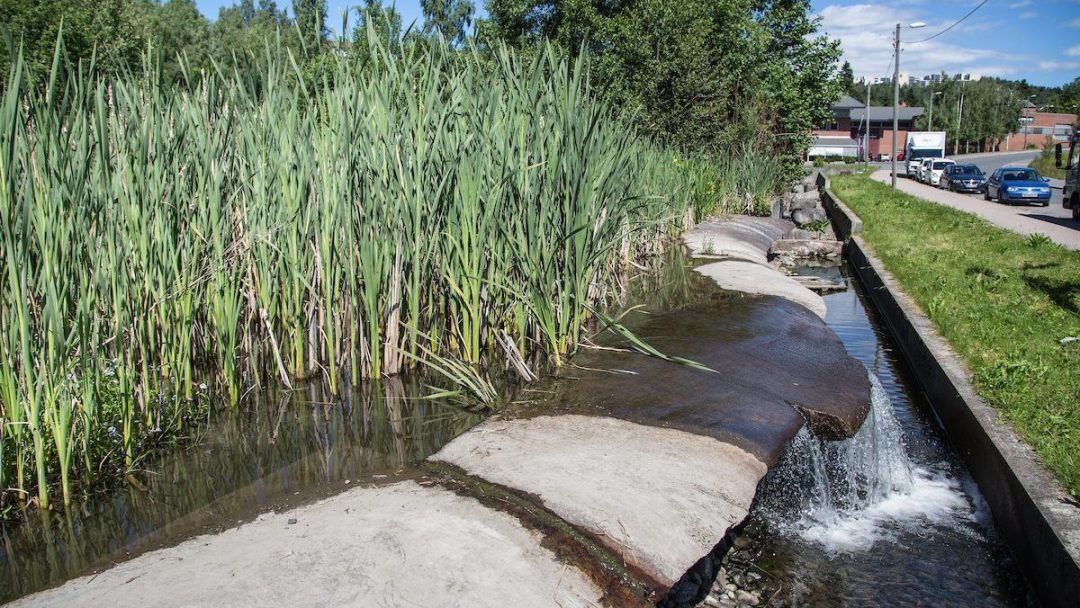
{"type": "Point", "coordinates": [1070, 198]}
{"type": "Point", "coordinates": [920, 145]}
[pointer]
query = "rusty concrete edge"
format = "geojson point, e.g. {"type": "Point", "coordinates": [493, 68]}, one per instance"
{"type": "Point", "coordinates": [621, 583]}
{"type": "Point", "coordinates": [1034, 515]}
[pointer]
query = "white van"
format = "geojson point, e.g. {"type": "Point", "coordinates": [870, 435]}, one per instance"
{"type": "Point", "coordinates": [934, 168]}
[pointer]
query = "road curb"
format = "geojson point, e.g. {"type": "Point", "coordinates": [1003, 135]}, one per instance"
{"type": "Point", "coordinates": [1039, 522]}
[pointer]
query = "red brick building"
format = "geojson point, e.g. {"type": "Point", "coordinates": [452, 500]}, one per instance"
{"type": "Point", "coordinates": [845, 133]}
{"type": "Point", "coordinates": [1037, 129]}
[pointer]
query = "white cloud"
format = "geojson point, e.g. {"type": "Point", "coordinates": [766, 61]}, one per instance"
{"type": "Point", "coordinates": [1020, 4]}
{"type": "Point", "coordinates": [1028, 15]}
{"type": "Point", "coordinates": [866, 33]}
{"type": "Point", "coordinates": [1054, 66]}
{"type": "Point", "coordinates": [1074, 51]}
{"type": "Point", "coordinates": [1074, 23]}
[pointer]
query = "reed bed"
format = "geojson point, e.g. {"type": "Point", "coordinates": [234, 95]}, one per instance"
{"type": "Point", "coordinates": [159, 244]}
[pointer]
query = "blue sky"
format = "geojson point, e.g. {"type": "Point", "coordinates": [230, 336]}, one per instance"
{"type": "Point", "coordinates": [410, 10]}
{"type": "Point", "coordinates": [1034, 39]}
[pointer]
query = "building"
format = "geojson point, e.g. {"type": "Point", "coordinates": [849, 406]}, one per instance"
{"type": "Point", "coordinates": [1037, 129]}
{"type": "Point", "coordinates": [845, 132]}
{"type": "Point", "coordinates": [931, 79]}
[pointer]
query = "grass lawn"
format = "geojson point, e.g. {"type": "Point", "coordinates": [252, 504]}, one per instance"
{"type": "Point", "coordinates": [1044, 164]}
{"type": "Point", "coordinates": [1003, 301]}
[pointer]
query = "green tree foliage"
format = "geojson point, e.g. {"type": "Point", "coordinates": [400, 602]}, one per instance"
{"type": "Point", "coordinates": [847, 81]}
{"type": "Point", "coordinates": [703, 74]}
{"type": "Point", "coordinates": [112, 31]}
{"type": "Point", "coordinates": [181, 35]}
{"type": "Point", "coordinates": [448, 18]}
{"type": "Point", "coordinates": [990, 110]}
{"type": "Point", "coordinates": [378, 21]}
{"type": "Point", "coordinates": [311, 20]}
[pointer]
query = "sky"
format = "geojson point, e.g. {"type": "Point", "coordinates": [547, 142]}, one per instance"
{"type": "Point", "coordinates": [1036, 40]}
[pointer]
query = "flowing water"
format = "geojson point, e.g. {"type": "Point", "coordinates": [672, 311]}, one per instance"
{"type": "Point", "coordinates": [887, 518]}
{"type": "Point", "coordinates": [279, 450]}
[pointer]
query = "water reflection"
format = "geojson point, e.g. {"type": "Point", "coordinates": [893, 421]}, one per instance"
{"type": "Point", "coordinates": [285, 448]}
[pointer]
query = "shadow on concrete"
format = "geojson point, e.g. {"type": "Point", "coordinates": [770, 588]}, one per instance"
{"type": "Point", "coordinates": [1058, 221]}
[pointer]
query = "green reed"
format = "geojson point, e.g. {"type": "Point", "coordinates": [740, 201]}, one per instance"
{"type": "Point", "coordinates": [426, 205]}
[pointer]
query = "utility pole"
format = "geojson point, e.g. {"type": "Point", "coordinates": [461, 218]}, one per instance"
{"type": "Point", "coordinates": [896, 102]}
{"type": "Point", "coordinates": [896, 96]}
{"type": "Point", "coordinates": [1024, 118]}
{"type": "Point", "coordinates": [959, 119]}
{"type": "Point", "coordinates": [866, 135]}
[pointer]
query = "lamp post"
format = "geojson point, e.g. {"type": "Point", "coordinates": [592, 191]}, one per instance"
{"type": "Point", "coordinates": [1023, 118]}
{"type": "Point", "coordinates": [896, 95]}
{"type": "Point", "coordinates": [932, 96]}
{"type": "Point", "coordinates": [1052, 126]}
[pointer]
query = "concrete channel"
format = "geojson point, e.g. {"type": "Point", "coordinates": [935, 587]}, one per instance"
{"type": "Point", "coordinates": [1039, 522]}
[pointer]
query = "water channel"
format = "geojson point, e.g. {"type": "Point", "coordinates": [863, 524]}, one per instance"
{"type": "Point", "coordinates": [890, 519]}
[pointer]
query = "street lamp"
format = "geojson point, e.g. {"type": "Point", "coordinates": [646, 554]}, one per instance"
{"type": "Point", "coordinates": [1024, 117]}
{"type": "Point", "coordinates": [896, 95]}
{"type": "Point", "coordinates": [932, 109]}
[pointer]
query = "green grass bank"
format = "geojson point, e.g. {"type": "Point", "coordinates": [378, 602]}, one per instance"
{"type": "Point", "coordinates": [1007, 304]}
{"type": "Point", "coordinates": [1044, 163]}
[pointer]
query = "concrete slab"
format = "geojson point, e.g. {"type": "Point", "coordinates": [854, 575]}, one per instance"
{"type": "Point", "coordinates": [397, 545]}
{"type": "Point", "coordinates": [660, 498]}
{"type": "Point", "coordinates": [737, 237]}
{"type": "Point", "coordinates": [777, 365]}
{"type": "Point", "coordinates": [755, 278]}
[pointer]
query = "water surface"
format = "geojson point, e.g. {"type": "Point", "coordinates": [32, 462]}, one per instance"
{"type": "Point", "coordinates": [930, 544]}
{"type": "Point", "coordinates": [282, 449]}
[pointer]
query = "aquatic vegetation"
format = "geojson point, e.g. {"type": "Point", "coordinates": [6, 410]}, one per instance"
{"type": "Point", "coordinates": [425, 204]}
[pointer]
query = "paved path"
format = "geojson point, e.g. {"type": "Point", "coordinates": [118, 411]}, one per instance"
{"type": "Point", "coordinates": [1053, 221]}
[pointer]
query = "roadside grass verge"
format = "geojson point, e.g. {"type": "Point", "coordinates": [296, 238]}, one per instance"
{"type": "Point", "coordinates": [1007, 304]}
{"type": "Point", "coordinates": [1044, 164]}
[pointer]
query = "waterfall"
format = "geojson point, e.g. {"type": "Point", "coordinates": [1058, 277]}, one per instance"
{"type": "Point", "coordinates": [847, 495]}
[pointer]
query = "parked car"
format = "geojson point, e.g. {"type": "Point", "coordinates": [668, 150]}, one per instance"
{"type": "Point", "coordinates": [922, 171]}
{"type": "Point", "coordinates": [936, 168]}
{"type": "Point", "coordinates": [962, 178]}
{"type": "Point", "coordinates": [1017, 184]}
{"type": "Point", "coordinates": [884, 158]}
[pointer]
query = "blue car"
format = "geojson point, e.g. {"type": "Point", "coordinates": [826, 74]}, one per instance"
{"type": "Point", "coordinates": [1017, 185]}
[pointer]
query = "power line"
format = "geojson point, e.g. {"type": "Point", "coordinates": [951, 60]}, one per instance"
{"type": "Point", "coordinates": [958, 22]}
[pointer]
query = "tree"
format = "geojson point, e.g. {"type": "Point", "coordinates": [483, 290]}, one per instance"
{"type": "Point", "coordinates": [448, 18]}
{"type": "Point", "coordinates": [382, 22]}
{"type": "Point", "coordinates": [113, 31]}
{"type": "Point", "coordinates": [704, 74]}
{"type": "Point", "coordinates": [180, 34]}
{"type": "Point", "coordinates": [847, 80]}
{"type": "Point", "coordinates": [311, 20]}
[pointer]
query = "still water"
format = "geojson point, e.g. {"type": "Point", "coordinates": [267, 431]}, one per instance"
{"type": "Point", "coordinates": [283, 448]}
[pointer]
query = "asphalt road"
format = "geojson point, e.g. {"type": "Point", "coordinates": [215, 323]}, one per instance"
{"type": "Point", "coordinates": [989, 162]}
{"type": "Point", "coordinates": [1054, 221]}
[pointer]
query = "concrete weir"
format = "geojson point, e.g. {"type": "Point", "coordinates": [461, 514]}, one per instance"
{"type": "Point", "coordinates": [610, 491]}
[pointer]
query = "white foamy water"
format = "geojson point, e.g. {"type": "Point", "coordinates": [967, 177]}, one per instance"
{"type": "Point", "coordinates": [845, 496]}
